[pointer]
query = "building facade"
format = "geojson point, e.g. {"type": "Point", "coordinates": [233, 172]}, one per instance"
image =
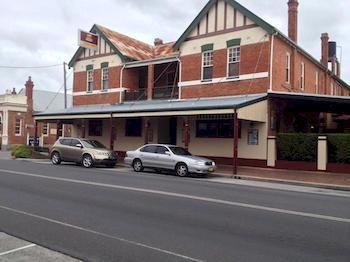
{"type": "Point", "coordinates": [221, 90]}
{"type": "Point", "coordinates": [17, 125]}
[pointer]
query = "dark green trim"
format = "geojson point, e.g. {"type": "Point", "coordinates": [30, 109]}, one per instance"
{"type": "Point", "coordinates": [89, 67]}
{"type": "Point", "coordinates": [95, 29]}
{"type": "Point", "coordinates": [207, 47]}
{"type": "Point", "coordinates": [234, 42]}
{"type": "Point", "coordinates": [260, 22]}
{"type": "Point", "coordinates": [105, 65]}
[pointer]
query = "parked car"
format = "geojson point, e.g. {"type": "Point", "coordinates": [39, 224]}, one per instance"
{"type": "Point", "coordinates": [168, 157]}
{"type": "Point", "coordinates": [82, 151]}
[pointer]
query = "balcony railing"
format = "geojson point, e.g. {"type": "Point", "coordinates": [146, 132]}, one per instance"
{"type": "Point", "coordinates": [162, 92]}
{"type": "Point", "coordinates": [135, 95]}
{"type": "Point", "coordinates": [166, 92]}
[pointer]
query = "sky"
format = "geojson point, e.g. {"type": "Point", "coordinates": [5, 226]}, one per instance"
{"type": "Point", "coordinates": [44, 32]}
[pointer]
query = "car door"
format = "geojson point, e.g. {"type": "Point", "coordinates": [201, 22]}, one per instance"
{"type": "Point", "coordinates": [64, 148]}
{"type": "Point", "coordinates": [75, 152]}
{"type": "Point", "coordinates": [164, 159]}
{"type": "Point", "coordinates": [148, 155]}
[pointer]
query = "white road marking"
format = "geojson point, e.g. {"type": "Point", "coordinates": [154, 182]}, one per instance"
{"type": "Point", "coordinates": [96, 233]}
{"type": "Point", "coordinates": [17, 249]}
{"type": "Point", "coordinates": [185, 196]}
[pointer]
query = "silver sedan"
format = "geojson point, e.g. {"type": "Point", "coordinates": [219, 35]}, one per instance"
{"type": "Point", "coordinates": [167, 157]}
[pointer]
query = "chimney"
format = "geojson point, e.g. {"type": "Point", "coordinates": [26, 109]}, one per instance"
{"type": "Point", "coordinates": [325, 49]}
{"type": "Point", "coordinates": [158, 42]}
{"type": "Point", "coordinates": [29, 85]}
{"type": "Point", "coordinates": [293, 20]}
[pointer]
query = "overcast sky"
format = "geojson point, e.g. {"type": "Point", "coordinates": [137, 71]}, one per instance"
{"type": "Point", "coordinates": [44, 32]}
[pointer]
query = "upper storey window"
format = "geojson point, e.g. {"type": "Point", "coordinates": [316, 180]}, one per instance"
{"type": "Point", "coordinates": [90, 78]}
{"type": "Point", "coordinates": [302, 76]}
{"type": "Point", "coordinates": [288, 68]}
{"type": "Point", "coordinates": [105, 76]}
{"type": "Point", "coordinates": [207, 62]}
{"type": "Point", "coordinates": [234, 60]}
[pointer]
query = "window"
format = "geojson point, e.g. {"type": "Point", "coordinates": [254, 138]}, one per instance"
{"type": "Point", "coordinates": [65, 142]}
{"type": "Point", "coordinates": [133, 127]}
{"type": "Point", "coordinates": [18, 127]}
{"type": "Point", "coordinates": [45, 129]}
{"type": "Point", "coordinates": [161, 150]}
{"type": "Point", "coordinates": [207, 65]}
{"type": "Point", "coordinates": [90, 80]}
{"type": "Point", "coordinates": [216, 128]}
{"type": "Point", "coordinates": [317, 78]}
{"type": "Point", "coordinates": [288, 68]}
{"type": "Point", "coordinates": [149, 149]}
{"type": "Point", "coordinates": [302, 76]}
{"type": "Point", "coordinates": [234, 59]}
{"type": "Point", "coordinates": [95, 127]}
{"type": "Point", "coordinates": [105, 79]}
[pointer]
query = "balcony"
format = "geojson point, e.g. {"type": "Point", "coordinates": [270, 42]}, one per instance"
{"type": "Point", "coordinates": [135, 95]}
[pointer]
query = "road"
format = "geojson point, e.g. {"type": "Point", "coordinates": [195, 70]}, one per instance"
{"type": "Point", "coordinates": [117, 215]}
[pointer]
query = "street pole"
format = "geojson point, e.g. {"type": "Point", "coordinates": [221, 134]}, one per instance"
{"type": "Point", "coordinates": [65, 84]}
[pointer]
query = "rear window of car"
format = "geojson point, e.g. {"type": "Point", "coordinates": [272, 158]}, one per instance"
{"type": "Point", "coordinates": [149, 149]}
{"type": "Point", "coordinates": [65, 142]}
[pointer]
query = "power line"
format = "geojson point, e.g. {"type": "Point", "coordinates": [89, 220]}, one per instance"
{"type": "Point", "coordinates": [29, 67]}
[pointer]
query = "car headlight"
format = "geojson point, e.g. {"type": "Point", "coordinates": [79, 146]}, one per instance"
{"type": "Point", "coordinates": [200, 163]}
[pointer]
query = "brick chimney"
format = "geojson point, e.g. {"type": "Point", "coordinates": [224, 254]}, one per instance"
{"type": "Point", "coordinates": [158, 42]}
{"type": "Point", "coordinates": [293, 20]}
{"type": "Point", "coordinates": [29, 85]}
{"type": "Point", "coordinates": [325, 49]}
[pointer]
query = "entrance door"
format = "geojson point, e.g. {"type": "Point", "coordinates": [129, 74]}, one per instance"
{"type": "Point", "coordinates": [167, 130]}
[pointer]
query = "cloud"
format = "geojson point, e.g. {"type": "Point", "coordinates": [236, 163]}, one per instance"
{"type": "Point", "coordinates": [40, 32]}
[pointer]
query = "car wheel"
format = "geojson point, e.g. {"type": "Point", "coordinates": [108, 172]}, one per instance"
{"type": "Point", "coordinates": [137, 165]}
{"type": "Point", "coordinates": [181, 170]}
{"type": "Point", "coordinates": [56, 158]}
{"type": "Point", "coordinates": [87, 161]}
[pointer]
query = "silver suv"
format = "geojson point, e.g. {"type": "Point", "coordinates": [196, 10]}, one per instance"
{"type": "Point", "coordinates": [82, 151]}
{"type": "Point", "coordinates": [168, 157]}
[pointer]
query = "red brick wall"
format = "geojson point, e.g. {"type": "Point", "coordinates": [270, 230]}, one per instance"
{"type": "Point", "coordinates": [226, 89]}
{"type": "Point", "coordinates": [12, 138]}
{"type": "Point", "coordinates": [131, 78]}
{"type": "Point", "coordinates": [79, 82]}
{"type": "Point", "coordinates": [279, 75]}
{"type": "Point", "coordinates": [103, 98]}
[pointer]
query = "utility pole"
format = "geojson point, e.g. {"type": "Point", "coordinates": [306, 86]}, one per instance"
{"type": "Point", "coordinates": [65, 84]}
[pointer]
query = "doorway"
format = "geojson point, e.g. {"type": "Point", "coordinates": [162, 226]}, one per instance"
{"type": "Point", "coordinates": [167, 130]}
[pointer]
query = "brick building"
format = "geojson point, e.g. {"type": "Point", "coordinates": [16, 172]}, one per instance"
{"type": "Point", "coordinates": [17, 126]}
{"type": "Point", "coordinates": [224, 89]}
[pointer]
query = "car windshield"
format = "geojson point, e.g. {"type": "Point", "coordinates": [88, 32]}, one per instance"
{"type": "Point", "coordinates": [93, 144]}
{"type": "Point", "coordinates": [179, 151]}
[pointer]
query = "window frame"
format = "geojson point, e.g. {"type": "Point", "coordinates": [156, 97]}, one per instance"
{"type": "Point", "coordinates": [103, 75]}
{"type": "Point", "coordinates": [20, 126]}
{"type": "Point", "coordinates": [229, 49]}
{"type": "Point", "coordinates": [207, 66]}
{"type": "Point", "coordinates": [93, 131]}
{"type": "Point", "coordinates": [287, 69]}
{"type": "Point", "coordinates": [89, 79]}
{"type": "Point", "coordinates": [302, 76]}
{"type": "Point", "coordinates": [317, 82]}
{"type": "Point", "coordinates": [47, 129]}
{"type": "Point", "coordinates": [131, 134]}
{"type": "Point", "coordinates": [218, 123]}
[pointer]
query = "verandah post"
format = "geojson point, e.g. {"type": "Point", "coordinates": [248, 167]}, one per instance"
{"type": "Point", "coordinates": [187, 133]}
{"type": "Point", "coordinates": [113, 133]}
{"type": "Point", "coordinates": [235, 143]}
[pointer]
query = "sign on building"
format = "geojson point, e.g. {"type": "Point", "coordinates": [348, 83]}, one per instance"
{"type": "Point", "coordinates": [88, 40]}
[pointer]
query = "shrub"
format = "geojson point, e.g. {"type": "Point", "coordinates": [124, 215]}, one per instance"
{"type": "Point", "coordinates": [297, 147]}
{"type": "Point", "coordinates": [339, 148]}
{"type": "Point", "coordinates": [21, 151]}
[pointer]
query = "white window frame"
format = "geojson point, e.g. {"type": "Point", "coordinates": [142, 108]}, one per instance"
{"type": "Point", "coordinates": [207, 65]}
{"type": "Point", "coordinates": [288, 65]}
{"type": "Point", "coordinates": [20, 126]}
{"type": "Point", "coordinates": [47, 129]}
{"type": "Point", "coordinates": [237, 61]}
{"type": "Point", "coordinates": [317, 82]}
{"type": "Point", "coordinates": [104, 77]}
{"type": "Point", "coordinates": [90, 79]}
{"type": "Point", "coordinates": [302, 76]}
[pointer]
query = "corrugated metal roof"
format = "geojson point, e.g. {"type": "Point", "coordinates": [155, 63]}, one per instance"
{"type": "Point", "coordinates": [162, 105]}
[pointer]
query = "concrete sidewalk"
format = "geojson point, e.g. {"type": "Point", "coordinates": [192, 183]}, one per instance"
{"type": "Point", "coordinates": [303, 178]}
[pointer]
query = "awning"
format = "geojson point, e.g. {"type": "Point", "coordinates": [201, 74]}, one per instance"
{"type": "Point", "coordinates": [224, 105]}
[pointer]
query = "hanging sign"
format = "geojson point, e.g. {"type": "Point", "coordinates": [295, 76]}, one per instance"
{"type": "Point", "coordinates": [88, 40]}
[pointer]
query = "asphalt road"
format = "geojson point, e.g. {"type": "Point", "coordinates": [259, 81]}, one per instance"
{"type": "Point", "coordinates": [111, 215]}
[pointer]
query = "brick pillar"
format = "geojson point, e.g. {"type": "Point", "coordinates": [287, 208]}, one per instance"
{"type": "Point", "coordinates": [322, 153]}
{"type": "Point", "coordinates": [271, 151]}
{"type": "Point", "coordinates": [235, 143]}
{"type": "Point", "coordinates": [293, 20]}
{"type": "Point", "coordinates": [325, 49]}
{"type": "Point", "coordinates": [150, 82]}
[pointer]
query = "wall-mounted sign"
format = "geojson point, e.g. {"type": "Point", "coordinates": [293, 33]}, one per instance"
{"type": "Point", "coordinates": [253, 137]}
{"type": "Point", "coordinates": [88, 40]}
